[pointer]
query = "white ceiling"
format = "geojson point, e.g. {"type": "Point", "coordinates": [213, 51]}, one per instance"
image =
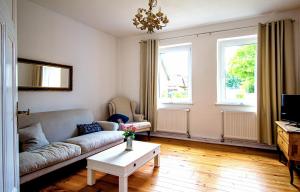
{"type": "Point", "coordinates": [114, 16]}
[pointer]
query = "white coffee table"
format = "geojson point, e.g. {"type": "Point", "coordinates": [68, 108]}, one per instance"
{"type": "Point", "coordinates": [116, 161]}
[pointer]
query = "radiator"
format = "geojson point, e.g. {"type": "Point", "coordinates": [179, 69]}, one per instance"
{"type": "Point", "coordinates": [173, 120]}
{"type": "Point", "coordinates": [239, 125]}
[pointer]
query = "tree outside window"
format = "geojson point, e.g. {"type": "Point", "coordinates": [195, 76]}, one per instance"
{"type": "Point", "coordinates": [237, 63]}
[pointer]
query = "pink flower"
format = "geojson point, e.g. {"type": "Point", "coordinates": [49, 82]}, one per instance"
{"type": "Point", "coordinates": [122, 126]}
{"type": "Point", "coordinates": [128, 128]}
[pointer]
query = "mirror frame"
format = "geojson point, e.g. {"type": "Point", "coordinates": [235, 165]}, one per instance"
{"type": "Point", "coordinates": [29, 61]}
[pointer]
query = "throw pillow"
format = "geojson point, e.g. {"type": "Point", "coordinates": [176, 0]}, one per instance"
{"type": "Point", "coordinates": [118, 118]}
{"type": "Point", "coordinates": [84, 129]}
{"type": "Point", "coordinates": [32, 137]}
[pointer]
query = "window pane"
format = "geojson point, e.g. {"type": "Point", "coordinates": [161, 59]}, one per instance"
{"type": "Point", "coordinates": [51, 77]}
{"type": "Point", "coordinates": [238, 60]}
{"type": "Point", "coordinates": [174, 74]}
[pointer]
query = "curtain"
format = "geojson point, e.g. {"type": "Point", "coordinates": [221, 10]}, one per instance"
{"type": "Point", "coordinates": [148, 80]}
{"type": "Point", "coordinates": [276, 74]}
{"type": "Point", "coordinates": [37, 75]}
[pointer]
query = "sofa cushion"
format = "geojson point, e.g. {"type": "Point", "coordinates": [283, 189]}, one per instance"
{"type": "Point", "coordinates": [108, 126]}
{"type": "Point", "coordinates": [46, 156]}
{"type": "Point", "coordinates": [84, 129]}
{"type": "Point", "coordinates": [92, 141]}
{"type": "Point", "coordinates": [32, 137]}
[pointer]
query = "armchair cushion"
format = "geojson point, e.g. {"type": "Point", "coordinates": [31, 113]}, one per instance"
{"type": "Point", "coordinates": [118, 118]}
{"type": "Point", "coordinates": [140, 126]}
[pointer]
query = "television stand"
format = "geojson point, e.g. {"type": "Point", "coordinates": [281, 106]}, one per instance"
{"type": "Point", "coordinates": [288, 144]}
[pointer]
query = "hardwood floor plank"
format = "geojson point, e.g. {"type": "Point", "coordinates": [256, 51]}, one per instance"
{"type": "Point", "coordinates": [188, 166]}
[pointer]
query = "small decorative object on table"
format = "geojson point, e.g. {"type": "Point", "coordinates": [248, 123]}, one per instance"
{"type": "Point", "coordinates": [129, 134]}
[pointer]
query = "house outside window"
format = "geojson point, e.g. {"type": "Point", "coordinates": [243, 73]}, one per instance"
{"type": "Point", "coordinates": [237, 58]}
{"type": "Point", "coordinates": [175, 74]}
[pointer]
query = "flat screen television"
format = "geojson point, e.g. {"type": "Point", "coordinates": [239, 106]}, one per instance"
{"type": "Point", "coordinates": [290, 109]}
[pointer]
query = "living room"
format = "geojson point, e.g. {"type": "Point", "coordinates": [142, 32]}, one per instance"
{"type": "Point", "coordinates": [207, 125]}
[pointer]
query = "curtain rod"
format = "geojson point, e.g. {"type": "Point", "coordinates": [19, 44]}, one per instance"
{"type": "Point", "coordinates": [203, 33]}
{"type": "Point", "coordinates": [208, 32]}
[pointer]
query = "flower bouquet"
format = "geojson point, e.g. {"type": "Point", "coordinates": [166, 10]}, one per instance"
{"type": "Point", "coordinates": [129, 134]}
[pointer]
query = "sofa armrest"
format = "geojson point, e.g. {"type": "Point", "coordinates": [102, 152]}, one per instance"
{"type": "Point", "coordinates": [138, 118]}
{"type": "Point", "coordinates": [108, 126]}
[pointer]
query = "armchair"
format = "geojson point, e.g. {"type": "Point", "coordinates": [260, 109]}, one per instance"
{"type": "Point", "coordinates": [122, 105]}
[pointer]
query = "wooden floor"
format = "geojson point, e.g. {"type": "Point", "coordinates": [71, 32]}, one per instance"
{"type": "Point", "coordinates": [193, 166]}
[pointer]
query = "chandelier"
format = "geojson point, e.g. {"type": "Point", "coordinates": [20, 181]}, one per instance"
{"type": "Point", "coordinates": [147, 20]}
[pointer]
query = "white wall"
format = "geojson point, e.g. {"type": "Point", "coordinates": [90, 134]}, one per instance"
{"type": "Point", "coordinates": [205, 116]}
{"type": "Point", "coordinates": [47, 36]}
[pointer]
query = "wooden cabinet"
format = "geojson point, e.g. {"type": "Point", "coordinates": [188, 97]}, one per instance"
{"type": "Point", "coordinates": [288, 143]}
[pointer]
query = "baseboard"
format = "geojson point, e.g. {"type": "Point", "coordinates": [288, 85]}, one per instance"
{"type": "Point", "coordinates": [231, 142]}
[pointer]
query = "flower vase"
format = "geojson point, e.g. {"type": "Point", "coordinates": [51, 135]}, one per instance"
{"type": "Point", "coordinates": [129, 144]}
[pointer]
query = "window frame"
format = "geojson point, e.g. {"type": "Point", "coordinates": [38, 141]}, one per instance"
{"type": "Point", "coordinates": [167, 48]}
{"type": "Point", "coordinates": [221, 67]}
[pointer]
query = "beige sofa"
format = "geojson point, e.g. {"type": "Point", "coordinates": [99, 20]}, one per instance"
{"type": "Point", "coordinates": [66, 147]}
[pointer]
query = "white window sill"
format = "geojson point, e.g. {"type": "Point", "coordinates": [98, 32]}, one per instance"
{"type": "Point", "coordinates": [174, 108]}
{"type": "Point", "coordinates": [176, 103]}
{"type": "Point", "coordinates": [235, 104]}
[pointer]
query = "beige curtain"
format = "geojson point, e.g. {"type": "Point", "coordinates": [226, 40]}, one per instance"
{"type": "Point", "coordinates": [148, 80]}
{"type": "Point", "coordinates": [276, 74]}
{"type": "Point", "coordinates": [37, 75]}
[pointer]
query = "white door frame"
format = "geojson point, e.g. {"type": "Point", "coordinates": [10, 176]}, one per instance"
{"type": "Point", "coordinates": [9, 153]}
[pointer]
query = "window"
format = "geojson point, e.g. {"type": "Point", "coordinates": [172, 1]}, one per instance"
{"type": "Point", "coordinates": [237, 70]}
{"type": "Point", "coordinates": [51, 77]}
{"type": "Point", "coordinates": [174, 74]}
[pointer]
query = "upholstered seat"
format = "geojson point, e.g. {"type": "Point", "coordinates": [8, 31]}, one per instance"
{"type": "Point", "coordinates": [46, 156]}
{"type": "Point", "coordinates": [96, 140]}
{"type": "Point", "coordinates": [122, 105]}
{"type": "Point", "coordinates": [141, 126]}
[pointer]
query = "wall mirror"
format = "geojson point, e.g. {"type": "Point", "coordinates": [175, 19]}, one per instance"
{"type": "Point", "coordinates": [43, 76]}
